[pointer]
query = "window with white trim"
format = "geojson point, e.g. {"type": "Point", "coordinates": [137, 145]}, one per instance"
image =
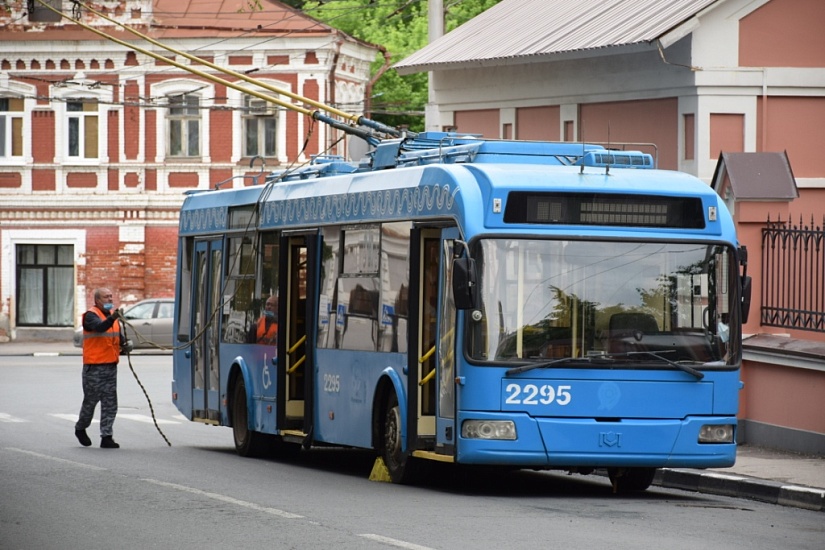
{"type": "Point", "coordinates": [184, 123]}
{"type": "Point", "coordinates": [260, 124]}
{"type": "Point", "coordinates": [82, 127]}
{"type": "Point", "coordinates": [11, 127]}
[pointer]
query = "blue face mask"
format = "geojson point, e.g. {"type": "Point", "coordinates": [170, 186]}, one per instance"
{"type": "Point", "coordinates": [269, 315]}
{"type": "Point", "coordinates": [108, 307]}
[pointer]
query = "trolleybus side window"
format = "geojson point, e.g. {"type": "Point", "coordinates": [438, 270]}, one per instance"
{"type": "Point", "coordinates": [395, 283]}
{"type": "Point", "coordinates": [185, 283]}
{"type": "Point", "coordinates": [364, 287]}
{"type": "Point", "coordinates": [358, 288]}
{"type": "Point", "coordinates": [239, 288]}
{"type": "Point", "coordinates": [327, 302]}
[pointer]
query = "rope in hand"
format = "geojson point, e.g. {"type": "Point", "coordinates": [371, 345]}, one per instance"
{"type": "Point", "coordinates": [123, 324]}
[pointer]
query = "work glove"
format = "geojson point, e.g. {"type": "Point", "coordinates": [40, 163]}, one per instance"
{"type": "Point", "coordinates": [127, 346]}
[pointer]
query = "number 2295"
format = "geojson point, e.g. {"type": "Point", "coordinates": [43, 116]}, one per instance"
{"type": "Point", "coordinates": [531, 394]}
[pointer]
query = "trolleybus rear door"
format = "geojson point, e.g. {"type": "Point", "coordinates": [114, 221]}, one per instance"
{"type": "Point", "coordinates": [204, 334]}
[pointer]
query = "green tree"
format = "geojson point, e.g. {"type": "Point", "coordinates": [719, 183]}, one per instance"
{"type": "Point", "coordinates": [400, 26]}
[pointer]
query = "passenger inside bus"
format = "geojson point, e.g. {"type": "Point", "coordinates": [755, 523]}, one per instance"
{"type": "Point", "coordinates": [265, 330]}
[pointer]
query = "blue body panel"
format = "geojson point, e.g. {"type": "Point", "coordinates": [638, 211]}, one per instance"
{"type": "Point", "coordinates": [258, 365]}
{"type": "Point", "coordinates": [570, 442]}
{"type": "Point", "coordinates": [595, 417]}
{"type": "Point", "coordinates": [344, 410]}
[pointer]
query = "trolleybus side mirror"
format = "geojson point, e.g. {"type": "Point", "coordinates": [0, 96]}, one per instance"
{"type": "Point", "coordinates": [465, 294]}
{"type": "Point", "coordinates": [746, 297]}
{"type": "Point", "coordinates": [746, 284]}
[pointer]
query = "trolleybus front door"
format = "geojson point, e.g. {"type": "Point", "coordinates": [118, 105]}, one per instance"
{"type": "Point", "coordinates": [204, 334]}
{"type": "Point", "coordinates": [435, 382]}
{"type": "Point", "coordinates": [445, 347]}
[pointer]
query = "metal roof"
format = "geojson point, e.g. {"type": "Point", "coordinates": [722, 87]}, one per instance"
{"type": "Point", "coordinates": [517, 29]}
{"type": "Point", "coordinates": [756, 176]}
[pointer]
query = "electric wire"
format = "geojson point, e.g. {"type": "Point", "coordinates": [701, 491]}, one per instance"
{"type": "Point", "coordinates": [122, 323]}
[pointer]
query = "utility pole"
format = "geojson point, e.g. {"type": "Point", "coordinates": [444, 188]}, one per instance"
{"type": "Point", "coordinates": [435, 25]}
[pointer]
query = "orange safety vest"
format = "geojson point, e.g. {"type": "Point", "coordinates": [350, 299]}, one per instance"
{"type": "Point", "coordinates": [101, 347]}
{"type": "Point", "coordinates": [264, 336]}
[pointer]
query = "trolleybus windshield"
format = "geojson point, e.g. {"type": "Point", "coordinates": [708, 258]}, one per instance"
{"type": "Point", "coordinates": [622, 302]}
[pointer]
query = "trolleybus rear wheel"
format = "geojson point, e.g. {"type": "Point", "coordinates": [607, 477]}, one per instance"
{"type": "Point", "coordinates": [247, 442]}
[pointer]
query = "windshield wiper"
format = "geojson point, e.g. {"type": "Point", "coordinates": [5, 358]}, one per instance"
{"type": "Point", "coordinates": [595, 359]}
{"type": "Point", "coordinates": [690, 370]}
{"type": "Point", "coordinates": [545, 364]}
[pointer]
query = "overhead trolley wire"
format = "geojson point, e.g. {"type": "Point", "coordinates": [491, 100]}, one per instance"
{"type": "Point", "coordinates": [317, 115]}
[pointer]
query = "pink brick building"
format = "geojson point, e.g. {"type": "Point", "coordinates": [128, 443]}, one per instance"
{"type": "Point", "coordinates": [99, 141]}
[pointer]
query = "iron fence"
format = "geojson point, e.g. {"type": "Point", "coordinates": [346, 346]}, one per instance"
{"type": "Point", "coordinates": [793, 275]}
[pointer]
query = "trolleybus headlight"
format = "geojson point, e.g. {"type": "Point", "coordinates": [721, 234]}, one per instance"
{"type": "Point", "coordinates": [716, 433]}
{"type": "Point", "coordinates": [488, 429]}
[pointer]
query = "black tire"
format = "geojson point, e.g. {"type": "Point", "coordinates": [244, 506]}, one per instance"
{"type": "Point", "coordinates": [630, 480]}
{"type": "Point", "coordinates": [401, 467]}
{"type": "Point", "coordinates": [247, 442]}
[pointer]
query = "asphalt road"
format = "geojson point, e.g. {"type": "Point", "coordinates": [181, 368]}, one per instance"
{"type": "Point", "coordinates": [198, 493]}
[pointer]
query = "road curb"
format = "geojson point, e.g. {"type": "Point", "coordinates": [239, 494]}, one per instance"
{"type": "Point", "coordinates": [714, 483]}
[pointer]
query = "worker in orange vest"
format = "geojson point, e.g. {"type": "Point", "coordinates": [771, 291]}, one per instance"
{"type": "Point", "coordinates": [265, 330]}
{"type": "Point", "coordinates": [102, 343]}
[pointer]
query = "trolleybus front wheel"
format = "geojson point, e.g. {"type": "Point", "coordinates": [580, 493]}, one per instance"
{"type": "Point", "coordinates": [401, 467]}
{"type": "Point", "coordinates": [629, 480]}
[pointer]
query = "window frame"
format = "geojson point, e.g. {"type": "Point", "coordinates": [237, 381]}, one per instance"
{"type": "Point", "coordinates": [49, 274]}
{"type": "Point", "coordinates": [190, 105]}
{"type": "Point", "coordinates": [87, 129]}
{"type": "Point", "coordinates": [12, 126]}
{"type": "Point", "coordinates": [266, 139]}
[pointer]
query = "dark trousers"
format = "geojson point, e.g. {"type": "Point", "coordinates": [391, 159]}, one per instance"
{"type": "Point", "coordinates": [99, 385]}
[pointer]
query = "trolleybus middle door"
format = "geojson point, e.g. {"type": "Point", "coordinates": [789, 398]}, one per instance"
{"type": "Point", "coordinates": [298, 268]}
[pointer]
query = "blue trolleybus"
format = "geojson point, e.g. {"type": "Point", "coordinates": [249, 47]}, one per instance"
{"type": "Point", "coordinates": [454, 299]}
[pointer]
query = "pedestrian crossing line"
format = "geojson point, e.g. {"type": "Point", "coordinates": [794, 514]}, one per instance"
{"type": "Point", "coordinates": [70, 417]}
{"type": "Point", "coordinates": [394, 542]}
{"type": "Point", "coordinates": [127, 416]}
{"type": "Point", "coordinates": [5, 417]}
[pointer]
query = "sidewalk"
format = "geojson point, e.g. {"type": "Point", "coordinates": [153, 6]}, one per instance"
{"type": "Point", "coordinates": [759, 474]}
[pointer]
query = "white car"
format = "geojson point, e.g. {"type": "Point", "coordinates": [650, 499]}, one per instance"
{"type": "Point", "coordinates": [148, 324]}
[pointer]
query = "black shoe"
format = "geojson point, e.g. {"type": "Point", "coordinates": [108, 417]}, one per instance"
{"type": "Point", "coordinates": [108, 443]}
{"type": "Point", "coordinates": [82, 437]}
